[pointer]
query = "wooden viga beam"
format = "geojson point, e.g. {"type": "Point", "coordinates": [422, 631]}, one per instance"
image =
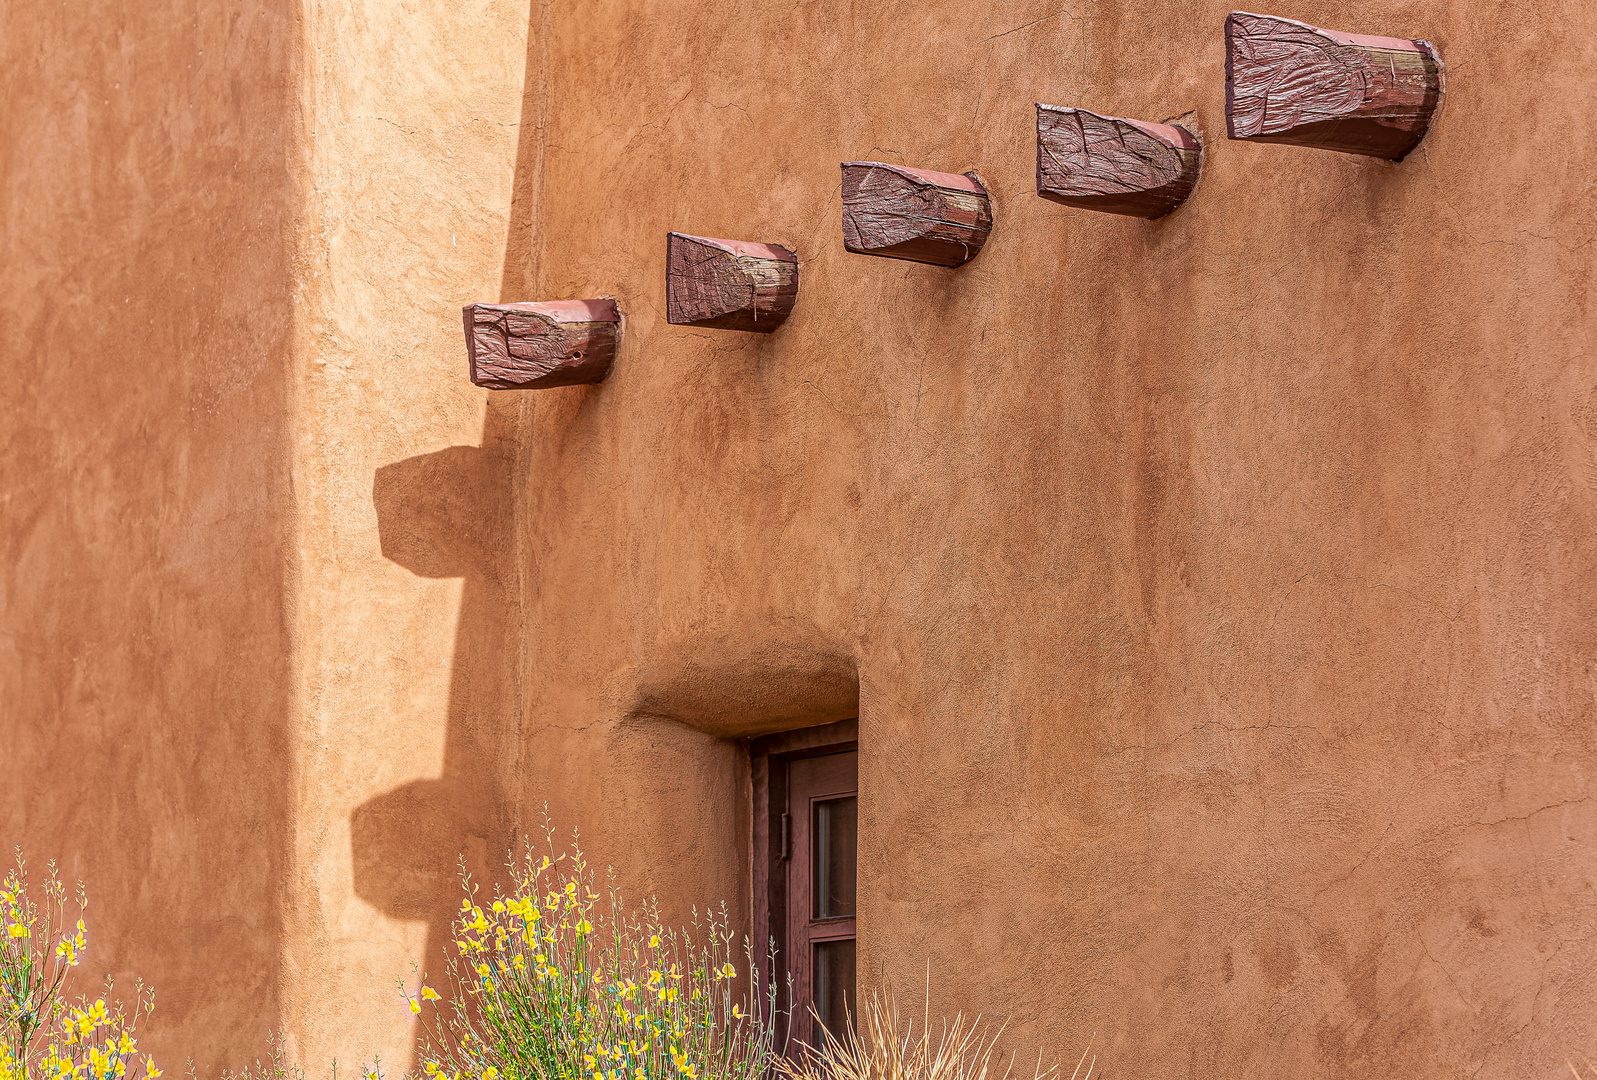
{"type": "Point", "coordinates": [728, 284]}
{"type": "Point", "coordinates": [1289, 82]}
{"type": "Point", "coordinates": [916, 214]}
{"type": "Point", "coordinates": [536, 346]}
{"type": "Point", "coordinates": [1113, 164]}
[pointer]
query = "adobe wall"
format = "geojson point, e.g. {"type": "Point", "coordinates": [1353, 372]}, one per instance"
{"type": "Point", "coordinates": [1217, 587]}
{"type": "Point", "coordinates": [146, 324]}
{"type": "Point", "coordinates": [407, 628]}
{"type": "Point", "coordinates": [1211, 591]}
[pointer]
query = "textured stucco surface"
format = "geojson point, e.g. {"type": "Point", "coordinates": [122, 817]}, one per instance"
{"type": "Point", "coordinates": [1218, 588]}
{"type": "Point", "coordinates": [148, 204]}
{"type": "Point", "coordinates": [1214, 592]}
{"type": "Point", "coordinates": [406, 624]}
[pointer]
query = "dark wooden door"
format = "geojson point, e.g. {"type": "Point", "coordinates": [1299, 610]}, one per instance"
{"type": "Point", "coordinates": [822, 816]}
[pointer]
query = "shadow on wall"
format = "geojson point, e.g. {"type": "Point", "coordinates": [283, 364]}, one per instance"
{"type": "Point", "coordinates": [450, 514]}
{"type": "Point", "coordinates": [446, 514]}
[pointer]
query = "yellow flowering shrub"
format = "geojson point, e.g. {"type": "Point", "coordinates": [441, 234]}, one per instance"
{"type": "Point", "coordinates": [45, 1034]}
{"type": "Point", "coordinates": [549, 981]}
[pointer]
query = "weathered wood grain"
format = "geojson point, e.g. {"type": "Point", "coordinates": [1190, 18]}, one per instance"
{"type": "Point", "coordinates": [916, 214]}
{"type": "Point", "coordinates": [1114, 164]}
{"type": "Point", "coordinates": [728, 284]}
{"type": "Point", "coordinates": [536, 346]}
{"type": "Point", "coordinates": [1289, 82]}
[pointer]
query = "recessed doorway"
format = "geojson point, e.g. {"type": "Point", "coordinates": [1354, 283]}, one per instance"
{"type": "Point", "coordinates": [806, 869]}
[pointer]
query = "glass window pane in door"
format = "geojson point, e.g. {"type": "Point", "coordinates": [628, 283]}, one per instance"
{"type": "Point", "coordinates": [836, 857]}
{"type": "Point", "coordinates": [834, 986]}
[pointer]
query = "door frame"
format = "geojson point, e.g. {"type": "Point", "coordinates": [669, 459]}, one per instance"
{"type": "Point", "coordinates": [769, 757]}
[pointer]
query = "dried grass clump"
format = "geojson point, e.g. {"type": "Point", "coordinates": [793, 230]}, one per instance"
{"type": "Point", "coordinates": [875, 1050]}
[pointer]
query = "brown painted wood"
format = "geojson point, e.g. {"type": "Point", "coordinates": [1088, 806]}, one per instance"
{"type": "Point", "coordinates": [770, 759]}
{"type": "Point", "coordinates": [916, 214]}
{"type": "Point", "coordinates": [801, 742]}
{"type": "Point", "coordinates": [536, 346]}
{"type": "Point", "coordinates": [768, 777]}
{"type": "Point", "coordinates": [1112, 163]}
{"type": "Point", "coordinates": [811, 779]}
{"type": "Point", "coordinates": [729, 284]}
{"type": "Point", "coordinates": [1289, 82]}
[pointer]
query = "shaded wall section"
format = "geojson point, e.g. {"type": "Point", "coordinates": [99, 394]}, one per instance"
{"type": "Point", "coordinates": [1217, 587]}
{"type": "Point", "coordinates": [148, 190]}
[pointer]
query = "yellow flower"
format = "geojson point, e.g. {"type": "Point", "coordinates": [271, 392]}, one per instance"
{"type": "Point", "coordinates": [737, 1012]}
{"type": "Point", "coordinates": [728, 971]}
{"type": "Point", "coordinates": [584, 927]}
{"type": "Point", "coordinates": [415, 1006]}
{"type": "Point", "coordinates": [499, 906]}
{"type": "Point", "coordinates": [19, 930]}
{"type": "Point", "coordinates": [654, 942]}
{"type": "Point", "coordinates": [490, 1073]}
{"type": "Point", "coordinates": [429, 994]}
{"type": "Point", "coordinates": [432, 1068]}
{"type": "Point", "coordinates": [126, 1045]}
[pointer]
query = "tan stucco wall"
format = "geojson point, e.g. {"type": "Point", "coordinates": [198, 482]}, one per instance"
{"type": "Point", "coordinates": [1218, 587]}
{"type": "Point", "coordinates": [145, 547]}
{"type": "Point", "coordinates": [1212, 592]}
{"type": "Point", "coordinates": [406, 629]}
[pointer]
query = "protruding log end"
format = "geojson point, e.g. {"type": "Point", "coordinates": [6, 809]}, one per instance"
{"type": "Point", "coordinates": [536, 346]}
{"type": "Point", "coordinates": [1289, 82]}
{"type": "Point", "coordinates": [916, 214]}
{"type": "Point", "coordinates": [1113, 164]}
{"type": "Point", "coordinates": [728, 284]}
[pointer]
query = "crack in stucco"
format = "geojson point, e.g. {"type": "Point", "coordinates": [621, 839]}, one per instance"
{"type": "Point", "coordinates": [1027, 26]}
{"type": "Point", "coordinates": [1527, 816]}
{"type": "Point", "coordinates": [1446, 973]}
